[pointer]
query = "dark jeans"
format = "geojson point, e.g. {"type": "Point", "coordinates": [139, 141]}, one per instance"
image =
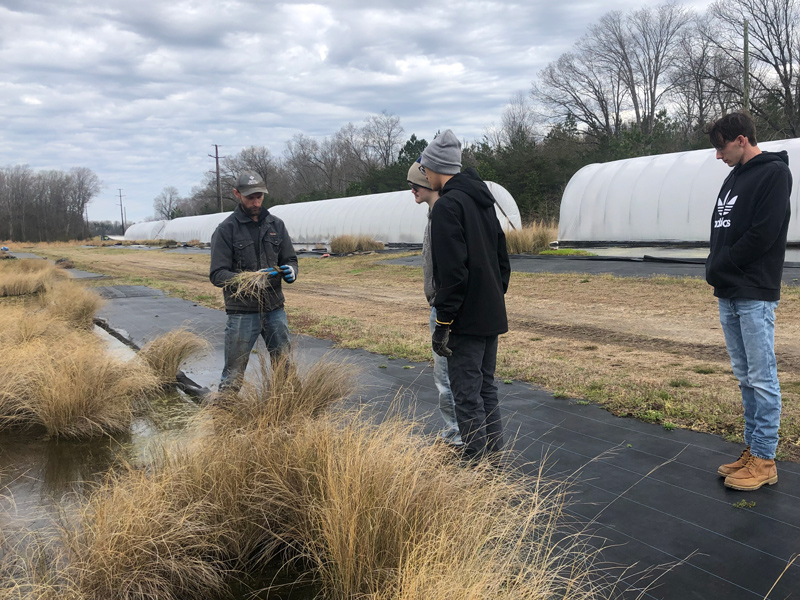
{"type": "Point", "coordinates": [471, 370]}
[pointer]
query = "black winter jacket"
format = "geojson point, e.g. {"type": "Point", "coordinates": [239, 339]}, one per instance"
{"type": "Point", "coordinates": [748, 229]}
{"type": "Point", "coordinates": [233, 251]}
{"type": "Point", "coordinates": [470, 261]}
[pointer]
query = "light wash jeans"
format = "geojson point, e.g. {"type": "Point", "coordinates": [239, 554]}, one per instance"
{"type": "Point", "coordinates": [749, 328]}
{"type": "Point", "coordinates": [241, 334]}
{"type": "Point", "coordinates": [447, 407]}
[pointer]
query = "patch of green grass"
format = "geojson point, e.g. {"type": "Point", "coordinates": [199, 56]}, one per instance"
{"type": "Point", "coordinates": [669, 426]}
{"type": "Point", "coordinates": [584, 280]}
{"type": "Point", "coordinates": [704, 370]}
{"type": "Point", "coordinates": [507, 381]}
{"type": "Point", "coordinates": [560, 394]}
{"type": "Point", "coordinates": [582, 402]}
{"type": "Point", "coordinates": [590, 347]}
{"type": "Point", "coordinates": [407, 367]}
{"type": "Point", "coordinates": [651, 416]}
{"type": "Point", "coordinates": [744, 504]}
{"type": "Point", "coordinates": [680, 382]}
{"type": "Point", "coordinates": [381, 366]}
{"type": "Point", "coordinates": [536, 339]}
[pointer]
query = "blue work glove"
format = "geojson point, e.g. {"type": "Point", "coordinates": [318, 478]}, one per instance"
{"type": "Point", "coordinates": [288, 273]}
{"type": "Point", "coordinates": [441, 335]}
{"type": "Point", "coordinates": [271, 272]}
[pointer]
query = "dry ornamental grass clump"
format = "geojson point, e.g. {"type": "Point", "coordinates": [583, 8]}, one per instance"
{"type": "Point", "coordinates": [531, 239]}
{"type": "Point", "coordinates": [344, 244]}
{"type": "Point", "coordinates": [368, 510]}
{"type": "Point", "coordinates": [28, 276]}
{"type": "Point", "coordinates": [165, 354]}
{"type": "Point", "coordinates": [73, 303]}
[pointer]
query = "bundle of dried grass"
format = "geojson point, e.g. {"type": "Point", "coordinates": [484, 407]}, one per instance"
{"type": "Point", "coordinates": [165, 354]}
{"type": "Point", "coordinates": [248, 285]}
{"type": "Point", "coordinates": [344, 244]}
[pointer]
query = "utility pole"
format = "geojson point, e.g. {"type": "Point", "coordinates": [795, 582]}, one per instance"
{"type": "Point", "coordinates": [215, 156]}
{"type": "Point", "coordinates": [121, 211]}
{"type": "Point", "coordinates": [746, 65]}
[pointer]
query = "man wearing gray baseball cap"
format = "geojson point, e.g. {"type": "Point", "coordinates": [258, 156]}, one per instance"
{"type": "Point", "coordinates": [252, 239]}
{"type": "Point", "coordinates": [471, 272]}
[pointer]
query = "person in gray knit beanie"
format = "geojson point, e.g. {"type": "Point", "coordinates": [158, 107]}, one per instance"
{"type": "Point", "coordinates": [443, 155]}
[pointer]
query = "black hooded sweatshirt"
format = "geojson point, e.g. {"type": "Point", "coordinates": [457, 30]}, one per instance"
{"type": "Point", "coordinates": [470, 261]}
{"type": "Point", "coordinates": [748, 229]}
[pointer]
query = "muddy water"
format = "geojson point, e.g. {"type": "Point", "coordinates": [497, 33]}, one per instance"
{"type": "Point", "coordinates": [41, 478]}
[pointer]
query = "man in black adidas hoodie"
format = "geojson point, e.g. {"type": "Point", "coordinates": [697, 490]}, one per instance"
{"type": "Point", "coordinates": [471, 271]}
{"type": "Point", "coordinates": [748, 243]}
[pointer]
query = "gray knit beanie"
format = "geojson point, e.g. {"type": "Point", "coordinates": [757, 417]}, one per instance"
{"type": "Point", "coordinates": [443, 155]}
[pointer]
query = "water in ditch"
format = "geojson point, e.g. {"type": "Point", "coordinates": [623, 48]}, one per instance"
{"type": "Point", "coordinates": [41, 478]}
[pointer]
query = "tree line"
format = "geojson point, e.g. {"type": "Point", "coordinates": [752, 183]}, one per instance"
{"type": "Point", "coordinates": [46, 205]}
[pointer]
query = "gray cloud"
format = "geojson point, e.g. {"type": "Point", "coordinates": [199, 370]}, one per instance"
{"type": "Point", "coordinates": [139, 92]}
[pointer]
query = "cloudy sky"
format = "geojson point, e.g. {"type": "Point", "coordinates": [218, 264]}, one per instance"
{"type": "Point", "coordinates": [139, 91]}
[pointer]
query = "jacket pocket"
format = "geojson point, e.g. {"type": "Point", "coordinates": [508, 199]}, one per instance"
{"type": "Point", "coordinates": [244, 254]}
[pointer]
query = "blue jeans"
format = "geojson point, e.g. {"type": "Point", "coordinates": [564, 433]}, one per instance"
{"type": "Point", "coordinates": [241, 334]}
{"type": "Point", "coordinates": [471, 369]}
{"type": "Point", "coordinates": [447, 406]}
{"type": "Point", "coordinates": [749, 328]}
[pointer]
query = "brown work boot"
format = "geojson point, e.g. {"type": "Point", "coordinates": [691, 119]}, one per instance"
{"type": "Point", "coordinates": [755, 473]}
{"type": "Point", "coordinates": [726, 470]}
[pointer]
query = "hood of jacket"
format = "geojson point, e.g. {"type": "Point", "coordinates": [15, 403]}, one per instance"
{"type": "Point", "coordinates": [757, 161]}
{"type": "Point", "coordinates": [471, 184]}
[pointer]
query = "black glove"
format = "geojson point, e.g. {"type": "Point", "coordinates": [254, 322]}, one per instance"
{"type": "Point", "coordinates": [441, 334]}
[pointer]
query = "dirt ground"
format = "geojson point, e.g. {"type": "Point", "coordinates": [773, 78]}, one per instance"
{"type": "Point", "coordinates": [650, 348]}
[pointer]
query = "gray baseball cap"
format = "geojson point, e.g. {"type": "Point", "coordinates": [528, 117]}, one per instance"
{"type": "Point", "coordinates": [250, 182]}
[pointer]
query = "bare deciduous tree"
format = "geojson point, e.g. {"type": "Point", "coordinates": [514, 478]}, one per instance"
{"type": "Point", "coordinates": [774, 54]}
{"type": "Point", "coordinates": [166, 203]}
{"type": "Point", "coordinates": [640, 47]}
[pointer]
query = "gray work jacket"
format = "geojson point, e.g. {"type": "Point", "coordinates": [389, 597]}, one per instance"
{"type": "Point", "coordinates": [234, 250]}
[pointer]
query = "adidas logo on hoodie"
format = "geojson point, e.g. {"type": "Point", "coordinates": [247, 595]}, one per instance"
{"type": "Point", "coordinates": [723, 208]}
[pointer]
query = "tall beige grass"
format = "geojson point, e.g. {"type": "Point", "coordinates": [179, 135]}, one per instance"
{"type": "Point", "coordinates": [28, 276]}
{"type": "Point", "coordinates": [344, 244]}
{"type": "Point", "coordinates": [72, 389]}
{"type": "Point", "coordinates": [369, 510]}
{"type": "Point", "coordinates": [166, 353]}
{"type": "Point", "coordinates": [72, 303]}
{"type": "Point", "coordinates": [533, 238]}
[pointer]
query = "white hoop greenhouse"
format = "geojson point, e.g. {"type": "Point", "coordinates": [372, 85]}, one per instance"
{"type": "Point", "coordinates": [662, 199]}
{"type": "Point", "coordinates": [392, 218]}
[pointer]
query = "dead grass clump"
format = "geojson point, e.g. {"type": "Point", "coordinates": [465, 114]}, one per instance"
{"type": "Point", "coordinates": [72, 390]}
{"type": "Point", "coordinates": [165, 354]}
{"type": "Point", "coordinates": [344, 244]}
{"type": "Point", "coordinates": [283, 391]}
{"type": "Point", "coordinates": [370, 510]}
{"type": "Point", "coordinates": [28, 276]}
{"type": "Point", "coordinates": [531, 239]}
{"type": "Point", "coordinates": [73, 303]}
{"type": "Point", "coordinates": [65, 263]}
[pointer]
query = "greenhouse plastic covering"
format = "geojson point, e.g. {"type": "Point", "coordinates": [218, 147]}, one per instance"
{"type": "Point", "coordinates": [667, 198]}
{"type": "Point", "coordinates": [392, 218]}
